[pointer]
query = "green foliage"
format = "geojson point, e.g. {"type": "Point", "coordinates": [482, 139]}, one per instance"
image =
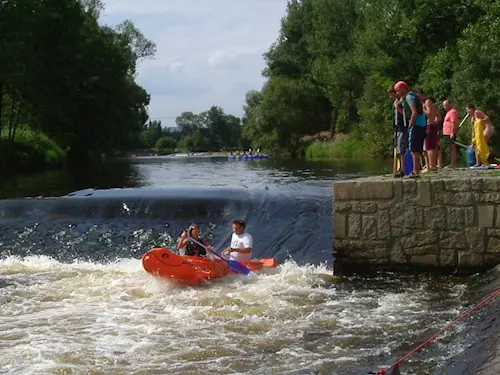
{"type": "Point", "coordinates": [41, 143]}
{"type": "Point", "coordinates": [165, 143]}
{"type": "Point", "coordinates": [30, 150]}
{"type": "Point", "coordinates": [211, 130]}
{"type": "Point", "coordinates": [73, 80]}
{"type": "Point", "coordinates": [347, 146]}
{"type": "Point", "coordinates": [331, 65]}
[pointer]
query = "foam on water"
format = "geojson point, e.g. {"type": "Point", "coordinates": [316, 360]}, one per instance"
{"type": "Point", "coordinates": [113, 318]}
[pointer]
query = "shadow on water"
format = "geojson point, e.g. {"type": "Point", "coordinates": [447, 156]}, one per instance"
{"type": "Point", "coordinates": [105, 175]}
{"type": "Point", "coordinates": [140, 172]}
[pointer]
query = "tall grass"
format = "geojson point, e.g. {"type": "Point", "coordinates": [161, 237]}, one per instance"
{"type": "Point", "coordinates": [31, 149]}
{"type": "Point", "coordinates": [348, 146]}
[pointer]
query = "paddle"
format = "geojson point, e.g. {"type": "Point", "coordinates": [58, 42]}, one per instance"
{"type": "Point", "coordinates": [233, 264]}
{"type": "Point", "coordinates": [460, 144]}
{"type": "Point", "coordinates": [462, 122]}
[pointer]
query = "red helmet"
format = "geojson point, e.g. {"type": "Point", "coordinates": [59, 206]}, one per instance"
{"type": "Point", "coordinates": [401, 85]}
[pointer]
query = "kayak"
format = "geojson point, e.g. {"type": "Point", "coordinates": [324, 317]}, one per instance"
{"type": "Point", "coordinates": [247, 157]}
{"type": "Point", "coordinates": [192, 270]}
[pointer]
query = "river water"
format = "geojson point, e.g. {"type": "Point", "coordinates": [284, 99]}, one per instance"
{"type": "Point", "coordinates": [74, 298]}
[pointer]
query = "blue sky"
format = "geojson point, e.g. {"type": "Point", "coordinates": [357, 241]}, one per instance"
{"type": "Point", "coordinates": [209, 52]}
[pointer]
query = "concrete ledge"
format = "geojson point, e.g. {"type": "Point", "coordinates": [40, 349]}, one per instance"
{"type": "Point", "coordinates": [448, 221]}
{"type": "Point", "coordinates": [346, 190]}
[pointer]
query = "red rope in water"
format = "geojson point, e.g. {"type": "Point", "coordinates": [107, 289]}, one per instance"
{"type": "Point", "coordinates": [468, 312]}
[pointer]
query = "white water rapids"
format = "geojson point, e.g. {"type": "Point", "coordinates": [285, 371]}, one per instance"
{"type": "Point", "coordinates": [87, 318]}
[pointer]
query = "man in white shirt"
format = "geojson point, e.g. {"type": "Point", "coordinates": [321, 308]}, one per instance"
{"type": "Point", "coordinates": [241, 243]}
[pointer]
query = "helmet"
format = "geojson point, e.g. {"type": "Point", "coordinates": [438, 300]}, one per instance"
{"type": "Point", "coordinates": [401, 85]}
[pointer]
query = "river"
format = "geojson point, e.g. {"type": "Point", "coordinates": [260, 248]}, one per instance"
{"type": "Point", "coordinates": [74, 298]}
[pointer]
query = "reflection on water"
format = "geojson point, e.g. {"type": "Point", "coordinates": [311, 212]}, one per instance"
{"type": "Point", "coordinates": [178, 171]}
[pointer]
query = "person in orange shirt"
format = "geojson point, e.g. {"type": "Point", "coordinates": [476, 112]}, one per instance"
{"type": "Point", "coordinates": [450, 129]}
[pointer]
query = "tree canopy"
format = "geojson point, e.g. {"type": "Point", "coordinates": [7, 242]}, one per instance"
{"type": "Point", "coordinates": [333, 61]}
{"type": "Point", "coordinates": [63, 73]}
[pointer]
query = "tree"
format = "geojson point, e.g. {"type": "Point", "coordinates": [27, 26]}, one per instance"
{"type": "Point", "coordinates": [188, 122]}
{"type": "Point", "coordinates": [73, 80]}
{"type": "Point", "coordinates": [166, 143]}
{"type": "Point", "coordinates": [333, 61]}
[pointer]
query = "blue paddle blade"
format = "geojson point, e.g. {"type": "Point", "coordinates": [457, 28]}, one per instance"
{"type": "Point", "coordinates": [238, 267]}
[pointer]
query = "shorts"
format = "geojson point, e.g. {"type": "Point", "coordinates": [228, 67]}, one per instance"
{"type": "Point", "coordinates": [401, 142]}
{"type": "Point", "coordinates": [417, 138]}
{"type": "Point", "coordinates": [432, 140]}
{"type": "Point", "coordinates": [488, 131]}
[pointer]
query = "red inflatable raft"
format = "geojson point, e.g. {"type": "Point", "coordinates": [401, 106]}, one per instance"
{"type": "Point", "coordinates": [192, 269]}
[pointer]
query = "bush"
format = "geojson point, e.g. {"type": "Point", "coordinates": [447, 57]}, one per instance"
{"type": "Point", "coordinates": [346, 146]}
{"type": "Point", "coordinates": [30, 150]}
{"type": "Point", "coordinates": [166, 143]}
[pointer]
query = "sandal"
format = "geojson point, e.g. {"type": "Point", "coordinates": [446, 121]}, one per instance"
{"type": "Point", "coordinates": [398, 174]}
{"type": "Point", "coordinates": [413, 175]}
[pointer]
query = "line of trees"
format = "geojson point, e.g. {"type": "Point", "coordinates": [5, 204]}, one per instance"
{"type": "Point", "coordinates": [211, 130]}
{"type": "Point", "coordinates": [64, 74]}
{"type": "Point", "coordinates": [334, 60]}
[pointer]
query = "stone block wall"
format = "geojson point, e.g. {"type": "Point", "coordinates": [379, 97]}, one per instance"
{"type": "Point", "coordinates": [448, 224]}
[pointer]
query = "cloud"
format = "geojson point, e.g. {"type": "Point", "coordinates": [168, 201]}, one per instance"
{"type": "Point", "coordinates": [223, 60]}
{"type": "Point", "coordinates": [176, 66]}
{"type": "Point", "coordinates": [172, 80]}
{"type": "Point", "coordinates": [208, 52]}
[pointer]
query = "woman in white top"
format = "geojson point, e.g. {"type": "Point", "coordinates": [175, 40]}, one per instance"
{"type": "Point", "coordinates": [241, 243]}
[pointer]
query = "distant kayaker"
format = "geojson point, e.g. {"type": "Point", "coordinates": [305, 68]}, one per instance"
{"type": "Point", "coordinates": [190, 248]}
{"type": "Point", "coordinates": [241, 243]}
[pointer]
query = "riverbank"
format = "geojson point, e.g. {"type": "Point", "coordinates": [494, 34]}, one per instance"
{"type": "Point", "coordinates": [207, 154]}
{"type": "Point", "coordinates": [345, 146]}
{"type": "Point", "coordinates": [30, 151]}
{"type": "Point", "coordinates": [354, 146]}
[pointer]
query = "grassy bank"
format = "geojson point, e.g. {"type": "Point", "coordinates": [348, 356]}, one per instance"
{"type": "Point", "coordinates": [30, 151]}
{"type": "Point", "coordinates": [354, 147]}
{"type": "Point", "coordinates": [347, 146]}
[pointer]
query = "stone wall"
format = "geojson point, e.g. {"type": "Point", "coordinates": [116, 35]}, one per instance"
{"type": "Point", "coordinates": [446, 224]}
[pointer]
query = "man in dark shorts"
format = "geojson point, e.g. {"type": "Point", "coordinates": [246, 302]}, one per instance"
{"type": "Point", "coordinates": [400, 131]}
{"type": "Point", "coordinates": [417, 126]}
{"type": "Point", "coordinates": [433, 115]}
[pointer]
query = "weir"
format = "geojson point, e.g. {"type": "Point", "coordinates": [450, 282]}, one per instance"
{"type": "Point", "coordinates": [447, 222]}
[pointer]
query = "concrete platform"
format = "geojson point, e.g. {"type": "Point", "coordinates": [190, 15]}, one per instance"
{"type": "Point", "coordinates": [447, 221]}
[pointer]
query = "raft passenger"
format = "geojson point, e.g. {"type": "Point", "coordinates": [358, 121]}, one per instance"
{"type": "Point", "coordinates": [190, 248]}
{"type": "Point", "coordinates": [241, 243]}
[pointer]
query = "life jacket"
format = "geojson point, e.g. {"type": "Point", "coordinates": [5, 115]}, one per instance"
{"type": "Point", "coordinates": [193, 249]}
{"type": "Point", "coordinates": [400, 124]}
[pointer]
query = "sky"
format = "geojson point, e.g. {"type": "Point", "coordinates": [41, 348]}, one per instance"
{"type": "Point", "coordinates": [209, 52]}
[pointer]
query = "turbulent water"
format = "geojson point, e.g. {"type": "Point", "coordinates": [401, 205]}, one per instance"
{"type": "Point", "coordinates": [74, 298]}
